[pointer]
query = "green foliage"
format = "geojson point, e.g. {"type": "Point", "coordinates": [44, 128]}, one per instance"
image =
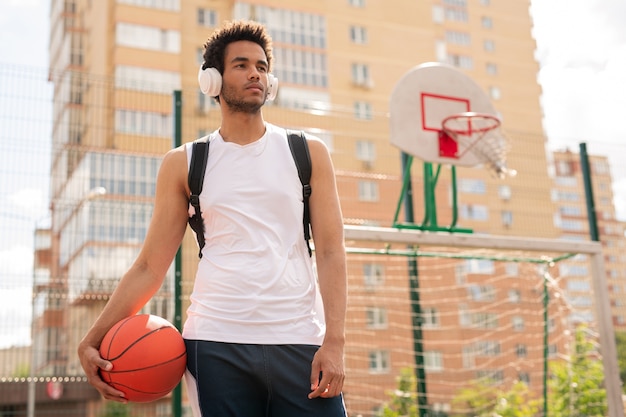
{"type": "Point", "coordinates": [115, 409]}
{"type": "Point", "coordinates": [403, 401]}
{"type": "Point", "coordinates": [620, 341]}
{"type": "Point", "coordinates": [484, 399]}
{"type": "Point", "coordinates": [576, 387]}
{"type": "Point", "coordinates": [22, 370]}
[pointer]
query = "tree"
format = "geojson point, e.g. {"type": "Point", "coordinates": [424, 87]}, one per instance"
{"type": "Point", "coordinates": [403, 401]}
{"type": "Point", "coordinates": [484, 399]}
{"type": "Point", "coordinates": [115, 409]}
{"type": "Point", "coordinates": [576, 387]}
{"type": "Point", "coordinates": [620, 341]}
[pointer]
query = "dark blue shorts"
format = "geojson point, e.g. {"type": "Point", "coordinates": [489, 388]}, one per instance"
{"type": "Point", "coordinates": [243, 380]}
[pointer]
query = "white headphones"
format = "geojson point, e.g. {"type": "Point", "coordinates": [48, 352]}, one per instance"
{"type": "Point", "coordinates": [210, 81]}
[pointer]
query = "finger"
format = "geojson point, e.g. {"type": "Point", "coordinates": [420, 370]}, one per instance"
{"type": "Point", "coordinates": [316, 375]}
{"type": "Point", "coordinates": [322, 387]}
{"type": "Point", "coordinates": [107, 391]}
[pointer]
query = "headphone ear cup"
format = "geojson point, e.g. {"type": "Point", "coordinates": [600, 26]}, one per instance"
{"type": "Point", "coordinates": [210, 81]}
{"type": "Point", "coordinates": [272, 88]}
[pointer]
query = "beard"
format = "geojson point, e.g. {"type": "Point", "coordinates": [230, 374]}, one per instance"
{"type": "Point", "coordinates": [237, 104]}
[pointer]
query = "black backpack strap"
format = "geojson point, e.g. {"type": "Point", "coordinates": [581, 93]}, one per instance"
{"type": "Point", "coordinates": [300, 152]}
{"type": "Point", "coordinates": [197, 168]}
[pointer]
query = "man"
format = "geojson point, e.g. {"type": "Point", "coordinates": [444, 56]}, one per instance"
{"type": "Point", "coordinates": [264, 335]}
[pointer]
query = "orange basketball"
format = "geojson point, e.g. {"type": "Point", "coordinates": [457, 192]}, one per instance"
{"type": "Point", "coordinates": [148, 356]}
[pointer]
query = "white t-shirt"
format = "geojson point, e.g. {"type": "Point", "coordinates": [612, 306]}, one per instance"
{"type": "Point", "coordinates": [255, 280]}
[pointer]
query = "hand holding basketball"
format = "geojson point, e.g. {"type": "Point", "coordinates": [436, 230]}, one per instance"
{"type": "Point", "coordinates": [148, 356]}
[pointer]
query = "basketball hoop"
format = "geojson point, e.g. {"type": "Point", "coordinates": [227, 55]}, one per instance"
{"type": "Point", "coordinates": [479, 134]}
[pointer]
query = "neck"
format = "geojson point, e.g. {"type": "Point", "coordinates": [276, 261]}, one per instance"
{"type": "Point", "coordinates": [242, 128]}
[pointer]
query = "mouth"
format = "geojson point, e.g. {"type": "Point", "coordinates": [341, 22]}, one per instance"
{"type": "Point", "coordinates": [257, 87]}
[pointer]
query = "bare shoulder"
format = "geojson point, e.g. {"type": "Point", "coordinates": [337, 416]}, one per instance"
{"type": "Point", "coordinates": [318, 149]}
{"type": "Point", "coordinates": [174, 167]}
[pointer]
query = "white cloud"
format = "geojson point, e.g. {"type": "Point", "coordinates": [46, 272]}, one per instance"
{"type": "Point", "coordinates": [581, 47]}
{"type": "Point", "coordinates": [29, 202]}
{"type": "Point", "coordinates": [15, 311]}
{"type": "Point", "coordinates": [15, 296]}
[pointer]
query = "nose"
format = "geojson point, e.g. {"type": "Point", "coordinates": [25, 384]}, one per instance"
{"type": "Point", "coordinates": [254, 74]}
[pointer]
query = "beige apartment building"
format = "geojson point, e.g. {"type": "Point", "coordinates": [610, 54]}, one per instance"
{"type": "Point", "coordinates": [572, 218]}
{"type": "Point", "coordinates": [115, 64]}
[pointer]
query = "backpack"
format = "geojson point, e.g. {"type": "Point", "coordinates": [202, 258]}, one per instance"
{"type": "Point", "coordinates": [199, 155]}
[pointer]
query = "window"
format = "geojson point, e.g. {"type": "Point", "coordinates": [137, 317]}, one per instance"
{"type": "Point", "coordinates": [518, 323]}
{"type": "Point", "coordinates": [491, 68]}
{"type": "Point", "coordinates": [365, 150]}
{"type": "Point", "coordinates": [362, 110]}
{"type": "Point", "coordinates": [481, 292]}
{"type": "Point", "coordinates": [300, 66]}
{"type": "Point", "coordinates": [361, 75]}
{"type": "Point", "coordinates": [143, 123]}
{"type": "Point", "coordinates": [487, 348]}
{"type": "Point", "coordinates": [485, 320]}
{"type": "Point", "coordinates": [471, 186]}
{"type": "Point", "coordinates": [458, 38]}
{"type": "Point", "coordinates": [511, 269]}
{"type": "Point", "coordinates": [524, 377]}
{"type": "Point", "coordinates": [504, 192]}
{"type": "Point", "coordinates": [460, 61]}
{"type": "Point", "coordinates": [430, 317]}
{"type": "Point", "coordinates": [572, 270]}
{"type": "Point", "coordinates": [286, 26]}
{"type": "Point", "coordinates": [495, 93]}
{"type": "Point", "coordinates": [479, 266]}
{"type": "Point", "coordinates": [572, 225]}
{"type": "Point", "coordinates": [376, 318]}
{"type": "Point", "coordinates": [558, 195]}
{"type": "Point", "coordinates": [491, 376]}
{"type": "Point", "coordinates": [438, 14]}
{"type": "Point", "coordinates": [552, 351]}
{"type": "Point", "coordinates": [514, 296]}
{"type": "Point", "coordinates": [433, 361]}
{"type": "Point", "coordinates": [373, 274]}
{"type": "Point", "coordinates": [356, 3]}
{"type": "Point", "coordinates": [379, 361]}
{"type": "Point", "coordinates": [474, 212]}
{"type": "Point", "coordinates": [579, 286]}
{"type": "Point", "coordinates": [206, 103]}
{"type": "Point", "coordinates": [147, 37]}
{"type": "Point", "coordinates": [489, 45]}
{"type": "Point", "coordinates": [486, 22]}
{"type": "Point", "coordinates": [173, 5]}
{"type": "Point", "coordinates": [566, 181]}
{"type": "Point", "coordinates": [456, 14]}
{"type": "Point", "coordinates": [358, 34]}
{"type": "Point", "coordinates": [600, 167]}
{"type": "Point", "coordinates": [507, 218]}
{"type": "Point", "coordinates": [573, 211]}
{"type": "Point", "coordinates": [207, 17]}
{"type": "Point", "coordinates": [317, 102]}
{"type": "Point", "coordinates": [146, 79]}
{"type": "Point", "coordinates": [368, 191]}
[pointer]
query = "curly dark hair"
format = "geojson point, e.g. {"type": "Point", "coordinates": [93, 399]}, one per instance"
{"type": "Point", "coordinates": [233, 31]}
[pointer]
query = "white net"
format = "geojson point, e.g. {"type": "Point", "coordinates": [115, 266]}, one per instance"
{"type": "Point", "coordinates": [433, 319]}
{"type": "Point", "coordinates": [480, 134]}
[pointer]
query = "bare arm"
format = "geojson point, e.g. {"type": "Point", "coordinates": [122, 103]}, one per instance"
{"type": "Point", "coordinates": [145, 276]}
{"type": "Point", "coordinates": [327, 228]}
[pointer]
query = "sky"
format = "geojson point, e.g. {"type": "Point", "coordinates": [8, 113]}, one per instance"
{"type": "Point", "coordinates": [581, 49]}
